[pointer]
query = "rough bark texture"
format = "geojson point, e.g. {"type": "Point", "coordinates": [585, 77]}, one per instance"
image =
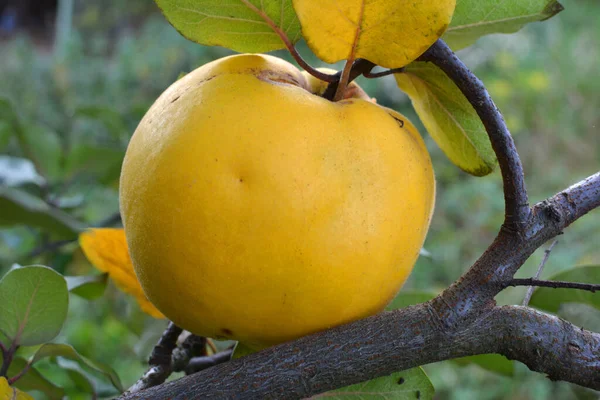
{"type": "Point", "coordinates": [463, 320]}
{"type": "Point", "coordinates": [515, 193]}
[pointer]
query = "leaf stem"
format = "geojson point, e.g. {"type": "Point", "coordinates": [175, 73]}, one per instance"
{"type": "Point", "coordinates": [344, 79]}
{"type": "Point", "coordinates": [387, 72]}
{"type": "Point", "coordinates": [290, 46]}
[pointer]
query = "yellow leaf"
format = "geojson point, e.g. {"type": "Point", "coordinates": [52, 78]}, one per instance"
{"type": "Point", "coordinates": [390, 33]}
{"type": "Point", "coordinates": [449, 117]}
{"type": "Point", "coordinates": [106, 249]}
{"type": "Point", "coordinates": [9, 393]}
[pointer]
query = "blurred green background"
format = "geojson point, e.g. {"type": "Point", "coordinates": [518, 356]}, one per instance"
{"type": "Point", "coordinates": [79, 81]}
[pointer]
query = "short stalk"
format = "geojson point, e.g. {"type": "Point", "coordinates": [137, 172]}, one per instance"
{"type": "Point", "coordinates": [344, 80]}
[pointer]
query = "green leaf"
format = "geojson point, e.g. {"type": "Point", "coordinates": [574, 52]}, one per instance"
{"type": "Point", "coordinates": [103, 163]}
{"type": "Point", "coordinates": [68, 352]}
{"type": "Point", "coordinates": [490, 362]}
{"type": "Point", "coordinates": [7, 112]}
{"type": "Point", "coordinates": [112, 120]}
{"type": "Point", "coordinates": [475, 18]}
{"type": "Point", "coordinates": [33, 380]}
{"type": "Point", "coordinates": [89, 287]}
{"type": "Point", "coordinates": [408, 298]}
{"type": "Point", "coordinates": [449, 117]}
{"type": "Point", "coordinates": [550, 299]}
{"type": "Point", "coordinates": [33, 304]}
{"type": "Point", "coordinates": [6, 134]}
{"type": "Point", "coordinates": [241, 350]}
{"type": "Point", "coordinates": [37, 143]}
{"type": "Point", "coordinates": [42, 146]}
{"type": "Point", "coordinates": [239, 25]}
{"type": "Point", "coordinates": [411, 384]}
{"type": "Point", "coordinates": [18, 207]}
{"type": "Point", "coordinates": [82, 383]}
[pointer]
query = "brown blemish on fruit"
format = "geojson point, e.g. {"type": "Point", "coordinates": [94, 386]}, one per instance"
{"type": "Point", "coordinates": [226, 332]}
{"type": "Point", "coordinates": [204, 80]}
{"type": "Point", "coordinates": [282, 78]}
{"type": "Point", "coordinates": [400, 122]}
{"type": "Point", "coordinates": [441, 31]}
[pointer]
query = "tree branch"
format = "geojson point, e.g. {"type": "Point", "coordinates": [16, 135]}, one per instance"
{"type": "Point", "coordinates": [515, 194]}
{"type": "Point", "coordinates": [391, 342]}
{"type": "Point", "coordinates": [160, 360]}
{"type": "Point", "coordinates": [492, 272]}
{"type": "Point", "coordinates": [197, 364]}
{"type": "Point", "coordinates": [590, 287]}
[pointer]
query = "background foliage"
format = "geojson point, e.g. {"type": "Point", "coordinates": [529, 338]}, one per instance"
{"type": "Point", "coordinates": [68, 110]}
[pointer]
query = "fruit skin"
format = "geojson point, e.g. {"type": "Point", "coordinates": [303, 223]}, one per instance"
{"type": "Point", "coordinates": [257, 211]}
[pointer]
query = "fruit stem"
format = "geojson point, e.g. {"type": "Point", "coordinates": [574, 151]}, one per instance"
{"type": "Point", "coordinates": [359, 67]}
{"type": "Point", "coordinates": [344, 80]}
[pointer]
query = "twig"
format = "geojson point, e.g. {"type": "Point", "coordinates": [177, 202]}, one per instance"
{"type": "Point", "coordinates": [7, 357]}
{"type": "Point", "coordinates": [167, 357]}
{"type": "Point", "coordinates": [288, 43]}
{"type": "Point", "coordinates": [160, 360]}
{"type": "Point", "coordinates": [18, 376]}
{"type": "Point", "coordinates": [517, 209]}
{"type": "Point", "coordinates": [51, 246]}
{"type": "Point", "coordinates": [191, 347]}
{"type": "Point", "coordinates": [110, 220]}
{"type": "Point", "coordinates": [387, 72]}
{"type": "Point", "coordinates": [153, 377]}
{"type": "Point", "coordinates": [590, 287]}
{"type": "Point", "coordinates": [539, 272]}
{"type": "Point", "coordinates": [198, 364]}
{"type": "Point", "coordinates": [212, 346]}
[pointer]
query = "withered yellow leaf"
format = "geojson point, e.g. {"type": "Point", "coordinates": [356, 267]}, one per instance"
{"type": "Point", "coordinates": [10, 393]}
{"type": "Point", "coordinates": [106, 249]}
{"type": "Point", "coordinates": [390, 33]}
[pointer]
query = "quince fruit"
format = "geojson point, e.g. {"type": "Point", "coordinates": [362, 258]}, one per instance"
{"type": "Point", "coordinates": [256, 210]}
